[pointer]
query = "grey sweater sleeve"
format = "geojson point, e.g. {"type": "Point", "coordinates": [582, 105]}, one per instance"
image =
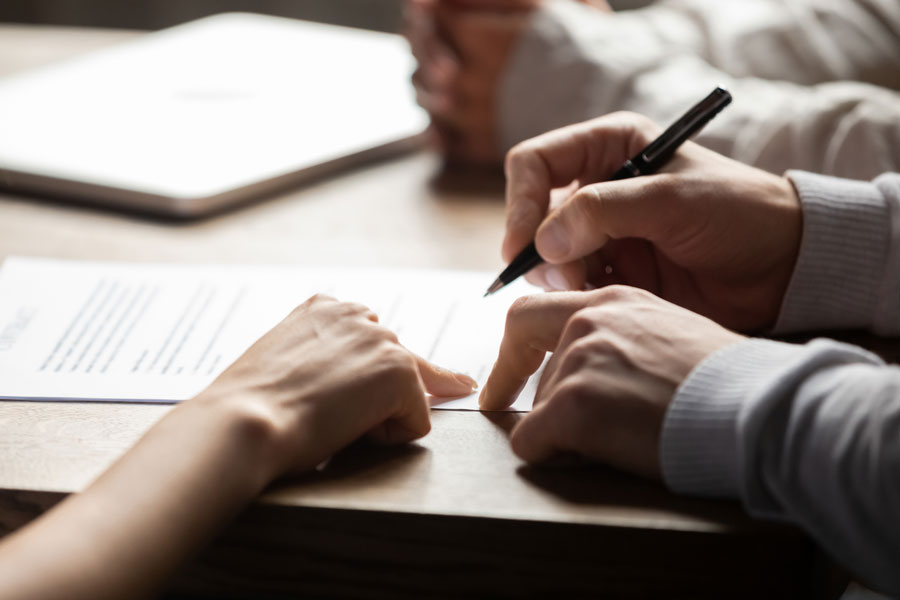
{"type": "Point", "coordinates": [575, 63]}
{"type": "Point", "coordinates": [807, 434]}
{"type": "Point", "coordinates": [847, 274]}
{"type": "Point", "coordinates": [811, 434]}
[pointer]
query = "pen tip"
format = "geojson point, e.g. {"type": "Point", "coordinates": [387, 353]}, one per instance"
{"type": "Point", "coordinates": [498, 283]}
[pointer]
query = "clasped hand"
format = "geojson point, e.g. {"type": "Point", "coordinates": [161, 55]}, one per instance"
{"type": "Point", "coordinates": [462, 48]}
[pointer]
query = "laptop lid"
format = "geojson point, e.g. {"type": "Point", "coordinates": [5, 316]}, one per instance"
{"type": "Point", "coordinates": [215, 112]}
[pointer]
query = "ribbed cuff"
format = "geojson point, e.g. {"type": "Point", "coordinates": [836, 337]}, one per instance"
{"type": "Point", "coordinates": [700, 447]}
{"type": "Point", "coordinates": [843, 255]}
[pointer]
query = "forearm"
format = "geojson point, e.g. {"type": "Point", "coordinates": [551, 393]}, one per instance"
{"type": "Point", "coordinates": [801, 41]}
{"type": "Point", "coordinates": [844, 129]}
{"type": "Point", "coordinates": [802, 433]}
{"type": "Point", "coordinates": [119, 538]}
{"type": "Point", "coordinates": [327, 374]}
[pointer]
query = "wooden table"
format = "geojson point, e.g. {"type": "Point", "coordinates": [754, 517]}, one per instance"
{"type": "Point", "coordinates": [456, 514]}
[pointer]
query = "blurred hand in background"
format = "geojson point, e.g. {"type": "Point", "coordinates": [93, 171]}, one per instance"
{"type": "Point", "coordinates": [462, 47]}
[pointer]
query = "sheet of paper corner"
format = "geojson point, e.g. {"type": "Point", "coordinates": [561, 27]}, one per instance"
{"type": "Point", "coordinates": [146, 332]}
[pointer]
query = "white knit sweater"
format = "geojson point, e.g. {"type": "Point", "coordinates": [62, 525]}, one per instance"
{"type": "Point", "coordinates": [814, 81]}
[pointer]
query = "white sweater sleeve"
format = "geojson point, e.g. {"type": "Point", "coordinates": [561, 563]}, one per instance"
{"type": "Point", "coordinates": [803, 41]}
{"type": "Point", "coordinates": [575, 63]}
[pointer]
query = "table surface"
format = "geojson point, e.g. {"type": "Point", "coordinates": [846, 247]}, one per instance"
{"type": "Point", "coordinates": [458, 505]}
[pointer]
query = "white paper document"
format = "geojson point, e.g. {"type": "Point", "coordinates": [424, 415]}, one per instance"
{"type": "Point", "coordinates": [135, 332]}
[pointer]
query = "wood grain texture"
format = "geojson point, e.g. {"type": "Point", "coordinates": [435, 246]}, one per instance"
{"type": "Point", "coordinates": [348, 554]}
{"type": "Point", "coordinates": [456, 508]}
{"type": "Point", "coordinates": [456, 514]}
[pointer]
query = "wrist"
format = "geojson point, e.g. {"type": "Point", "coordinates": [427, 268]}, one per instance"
{"type": "Point", "coordinates": [188, 475]}
{"type": "Point", "coordinates": [789, 216]}
{"type": "Point", "coordinates": [245, 430]}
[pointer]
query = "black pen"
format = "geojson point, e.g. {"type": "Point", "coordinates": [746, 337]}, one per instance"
{"type": "Point", "coordinates": [648, 161]}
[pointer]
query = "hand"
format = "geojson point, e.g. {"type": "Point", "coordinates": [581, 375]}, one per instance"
{"type": "Point", "coordinates": [619, 355]}
{"type": "Point", "coordinates": [708, 233]}
{"type": "Point", "coordinates": [462, 47]}
{"type": "Point", "coordinates": [326, 375]}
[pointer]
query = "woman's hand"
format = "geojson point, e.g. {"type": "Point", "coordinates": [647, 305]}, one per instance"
{"type": "Point", "coordinates": [708, 233]}
{"type": "Point", "coordinates": [326, 375]}
{"type": "Point", "coordinates": [462, 48]}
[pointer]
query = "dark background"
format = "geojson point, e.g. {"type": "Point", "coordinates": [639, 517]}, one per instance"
{"type": "Point", "coordinates": [155, 14]}
{"type": "Point", "coordinates": [383, 15]}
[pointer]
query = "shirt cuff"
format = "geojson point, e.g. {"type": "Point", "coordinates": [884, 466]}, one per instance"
{"type": "Point", "coordinates": [700, 444]}
{"type": "Point", "coordinates": [843, 252]}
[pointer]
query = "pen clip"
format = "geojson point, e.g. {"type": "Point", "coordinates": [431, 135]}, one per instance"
{"type": "Point", "coordinates": [685, 127]}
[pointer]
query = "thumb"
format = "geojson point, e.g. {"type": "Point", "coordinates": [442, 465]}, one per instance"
{"type": "Point", "coordinates": [533, 327]}
{"type": "Point", "coordinates": [642, 207]}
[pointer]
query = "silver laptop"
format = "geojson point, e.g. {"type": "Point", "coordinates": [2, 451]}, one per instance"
{"type": "Point", "coordinates": [215, 112]}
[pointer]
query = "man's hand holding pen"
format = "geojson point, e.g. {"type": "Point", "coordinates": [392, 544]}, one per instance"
{"type": "Point", "coordinates": [707, 233]}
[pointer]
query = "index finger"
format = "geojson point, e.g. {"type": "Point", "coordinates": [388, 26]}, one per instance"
{"type": "Point", "coordinates": [586, 152]}
{"type": "Point", "coordinates": [411, 420]}
{"type": "Point", "coordinates": [533, 327]}
{"type": "Point", "coordinates": [442, 382]}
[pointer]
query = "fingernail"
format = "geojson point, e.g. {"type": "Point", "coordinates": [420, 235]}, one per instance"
{"type": "Point", "coordinates": [467, 381]}
{"type": "Point", "coordinates": [552, 240]}
{"type": "Point", "coordinates": [556, 280]}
